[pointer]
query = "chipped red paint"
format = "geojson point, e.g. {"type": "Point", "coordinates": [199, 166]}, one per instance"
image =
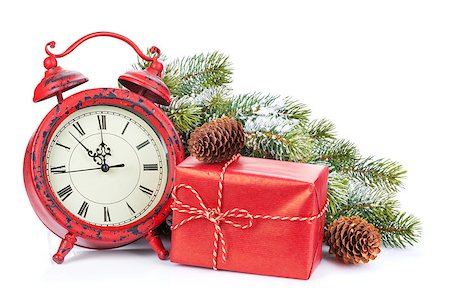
{"type": "Point", "coordinates": [57, 81]}
{"type": "Point", "coordinates": [72, 229]}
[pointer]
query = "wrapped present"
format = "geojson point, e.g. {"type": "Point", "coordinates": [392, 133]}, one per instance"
{"type": "Point", "coordinates": [249, 215]}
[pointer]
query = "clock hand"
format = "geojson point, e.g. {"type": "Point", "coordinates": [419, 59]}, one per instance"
{"type": "Point", "coordinates": [105, 167]}
{"type": "Point", "coordinates": [95, 168]}
{"type": "Point", "coordinates": [89, 152]}
{"type": "Point", "coordinates": [101, 133]}
{"type": "Point", "coordinates": [117, 165]}
{"type": "Point", "coordinates": [102, 150]}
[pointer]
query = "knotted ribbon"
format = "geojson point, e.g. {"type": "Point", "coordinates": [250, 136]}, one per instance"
{"type": "Point", "coordinates": [236, 217]}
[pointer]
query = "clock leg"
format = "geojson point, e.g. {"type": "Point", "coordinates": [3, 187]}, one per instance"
{"type": "Point", "coordinates": [64, 248]}
{"type": "Point", "coordinates": [155, 243]}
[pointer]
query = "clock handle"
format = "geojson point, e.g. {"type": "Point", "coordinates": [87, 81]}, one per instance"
{"type": "Point", "coordinates": [155, 243]}
{"type": "Point", "coordinates": [64, 248]}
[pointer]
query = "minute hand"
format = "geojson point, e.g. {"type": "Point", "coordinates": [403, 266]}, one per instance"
{"type": "Point", "coordinates": [95, 168]}
{"type": "Point", "coordinates": [90, 153]}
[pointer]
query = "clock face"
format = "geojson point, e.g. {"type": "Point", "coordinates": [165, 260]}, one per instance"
{"type": "Point", "coordinates": [106, 165]}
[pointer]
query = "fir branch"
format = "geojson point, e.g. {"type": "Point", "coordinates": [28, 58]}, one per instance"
{"type": "Point", "coordinates": [379, 173]}
{"type": "Point", "coordinates": [321, 130]}
{"type": "Point", "coordinates": [380, 208]}
{"type": "Point", "coordinates": [214, 101]}
{"type": "Point", "coordinates": [338, 192]}
{"type": "Point", "coordinates": [279, 128]}
{"type": "Point", "coordinates": [188, 113]}
{"type": "Point", "coordinates": [172, 79]}
{"type": "Point", "coordinates": [367, 202]}
{"type": "Point", "coordinates": [289, 108]}
{"type": "Point", "coordinates": [339, 153]}
{"type": "Point", "coordinates": [343, 156]}
{"type": "Point", "coordinates": [218, 105]}
{"type": "Point", "coordinates": [249, 105]}
{"type": "Point", "coordinates": [183, 114]}
{"type": "Point", "coordinates": [257, 104]}
{"type": "Point", "coordinates": [398, 229]}
{"type": "Point", "coordinates": [277, 140]}
{"type": "Point", "coordinates": [193, 74]}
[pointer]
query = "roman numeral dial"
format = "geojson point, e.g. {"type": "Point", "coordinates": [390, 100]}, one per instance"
{"type": "Point", "coordinates": [125, 128]}
{"type": "Point", "coordinates": [143, 144]}
{"type": "Point", "coordinates": [106, 216]}
{"type": "Point", "coordinates": [84, 209]}
{"type": "Point", "coordinates": [101, 121]}
{"type": "Point", "coordinates": [65, 192]}
{"type": "Point", "coordinates": [58, 169]}
{"type": "Point", "coordinates": [146, 190]}
{"type": "Point", "coordinates": [79, 129]}
{"type": "Point", "coordinates": [150, 167]}
{"type": "Point", "coordinates": [107, 166]}
{"type": "Point", "coordinates": [63, 146]}
{"type": "Point", "coordinates": [130, 208]}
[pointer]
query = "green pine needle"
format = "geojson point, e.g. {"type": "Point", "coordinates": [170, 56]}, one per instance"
{"type": "Point", "coordinates": [217, 103]}
{"type": "Point", "coordinates": [338, 193]}
{"type": "Point", "coordinates": [380, 208]}
{"type": "Point", "coordinates": [398, 229]}
{"type": "Point", "coordinates": [343, 156]}
{"type": "Point", "coordinates": [321, 130]}
{"type": "Point", "coordinates": [185, 116]}
{"type": "Point", "coordinates": [379, 173]}
{"type": "Point", "coordinates": [366, 202]}
{"type": "Point", "coordinates": [279, 128]}
{"type": "Point", "coordinates": [192, 75]}
{"type": "Point", "coordinates": [339, 153]}
{"type": "Point", "coordinates": [289, 108]}
{"type": "Point", "coordinates": [249, 105]}
{"type": "Point", "coordinates": [277, 140]}
{"type": "Point", "coordinates": [272, 106]}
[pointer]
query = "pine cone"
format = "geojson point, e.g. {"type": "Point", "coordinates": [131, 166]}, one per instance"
{"type": "Point", "coordinates": [353, 240]}
{"type": "Point", "coordinates": [217, 141]}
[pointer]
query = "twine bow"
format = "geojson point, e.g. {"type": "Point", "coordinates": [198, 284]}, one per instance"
{"type": "Point", "coordinates": [215, 215]}
{"type": "Point", "coordinates": [236, 217]}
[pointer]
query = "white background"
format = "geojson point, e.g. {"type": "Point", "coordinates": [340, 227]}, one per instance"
{"type": "Point", "coordinates": [380, 70]}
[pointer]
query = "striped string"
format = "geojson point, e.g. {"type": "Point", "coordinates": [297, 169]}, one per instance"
{"type": "Point", "coordinates": [230, 217]}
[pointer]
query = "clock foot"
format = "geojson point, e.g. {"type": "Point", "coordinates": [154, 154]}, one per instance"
{"type": "Point", "coordinates": [155, 243]}
{"type": "Point", "coordinates": [64, 248]}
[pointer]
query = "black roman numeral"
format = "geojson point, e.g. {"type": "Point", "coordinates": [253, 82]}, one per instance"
{"type": "Point", "coordinates": [126, 126]}
{"type": "Point", "coordinates": [130, 208]}
{"type": "Point", "coordinates": [65, 192]}
{"type": "Point", "coordinates": [146, 142]}
{"type": "Point", "coordinates": [146, 190]}
{"type": "Point", "coordinates": [150, 167]}
{"type": "Point", "coordinates": [102, 122]}
{"type": "Point", "coordinates": [106, 216]}
{"type": "Point", "coordinates": [79, 128]}
{"type": "Point", "coordinates": [62, 145]}
{"type": "Point", "coordinates": [58, 169]}
{"type": "Point", "coordinates": [83, 210]}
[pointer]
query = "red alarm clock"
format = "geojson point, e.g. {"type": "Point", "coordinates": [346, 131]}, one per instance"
{"type": "Point", "coordinates": [100, 168]}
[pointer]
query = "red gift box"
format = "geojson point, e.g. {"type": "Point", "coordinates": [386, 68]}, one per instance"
{"type": "Point", "coordinates": [256, 216]}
